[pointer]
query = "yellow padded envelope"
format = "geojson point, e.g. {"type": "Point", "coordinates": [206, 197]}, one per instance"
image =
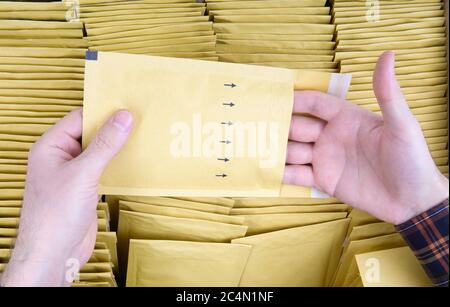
{"type": "Point", "coordinates": [398, 267]}
{"type": "Point", "coordinates": [303, 256]}
{"type": "Point", "coordinates": [185, 264]}
{"type": "Point", "coordinates": [264, 223]}
{"type": "Point", "coordinates": [182, 112]}
{"type": "Point", "coordinates": [179, 212]}
{"type": "Point", "coordinates": [348, 269]}
{"type": "Point", "coordinates": [133, 225]}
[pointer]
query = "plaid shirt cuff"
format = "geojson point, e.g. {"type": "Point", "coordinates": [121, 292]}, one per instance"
{"type": "Point", "coordinates": [427, 235]}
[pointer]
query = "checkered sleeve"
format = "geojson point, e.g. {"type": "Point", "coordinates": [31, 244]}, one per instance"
{"type": "Point", "coordinates": [427, 235]}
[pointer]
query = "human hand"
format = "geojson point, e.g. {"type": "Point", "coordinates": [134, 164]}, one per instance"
{"type": "Point", "coordinates": [59, 213]}
{"type": "Point", "coordinates": [381, 165]}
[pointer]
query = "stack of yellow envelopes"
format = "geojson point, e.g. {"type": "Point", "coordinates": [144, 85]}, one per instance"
{"type": "Point", "coordinates": [415, 30]}
{"type": "Point", "coordinates": [225, 242]}
{"type": "Point", "coordinates": [175, 28]}
{"type": "Point", "coordinates": [41, 80]}
{"type": "Point", "coordinates": [283, 33]}
{"type": "Point", "coordinates": [50, 11]}
{"type": "Point", "coordinates": [376, 255]}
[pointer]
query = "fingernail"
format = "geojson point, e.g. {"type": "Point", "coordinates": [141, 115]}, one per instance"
{"type": "Point", "coordinates": [123, 120]}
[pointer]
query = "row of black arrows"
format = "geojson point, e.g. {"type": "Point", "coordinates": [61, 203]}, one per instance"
{"type": "Point", "coordinates": [229, 123]}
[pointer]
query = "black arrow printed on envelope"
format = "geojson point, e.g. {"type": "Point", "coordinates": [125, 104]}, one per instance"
{"type": "Point", "coordinates": [227, 123]}
{"type": "Point", "coordinates": [222, 175]}
{"type": "Point", "coordinates": [232, 85]}
{"type": "Point", "coordinates": [224, 159]}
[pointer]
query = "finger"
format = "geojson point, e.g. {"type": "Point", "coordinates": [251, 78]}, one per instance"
{"type": "Point", "coordinates": [393, 105]}
{"type": "Point", "coordinates": [65, 134]}
{"type": "Point", "coordinates": [108, 141]}
{"type": "Point", "coordinates": [305, 129]}
{"type": "Point", "coordinates": [71, 125]}
{"type": "Point", "coordinates": [318, 104]}
{"type": "Point", "coordinates": [299, 153]}
{"type": "Point", "coordinates": [301, 175]}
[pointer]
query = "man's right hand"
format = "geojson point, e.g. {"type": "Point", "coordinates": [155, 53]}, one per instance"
{"type": "Point", "coordinates": [380, 164]}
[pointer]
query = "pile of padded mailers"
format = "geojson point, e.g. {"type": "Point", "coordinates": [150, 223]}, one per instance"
{"type": "Point", "coordinates": [375, 255]}
{"type": "Point", "coordinates": [41, 80]}
{"type": "Point", "coordinates": [225, 242]}
{"type": "Point", "coordinates": [294, 34]}
{"type": "Point", "coordinates": [175, 28]}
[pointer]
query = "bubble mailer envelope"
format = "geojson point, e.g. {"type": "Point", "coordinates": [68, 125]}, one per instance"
{"type": "Point", "coordinates": [204, 128]}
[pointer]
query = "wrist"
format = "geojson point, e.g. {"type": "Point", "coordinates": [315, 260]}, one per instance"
{"type": "Point", "coordinates": [434, 194]}
{"type": "Point", "coordinates": [34, 271]}
{"type": "Point", "coordinates": [33, 264]}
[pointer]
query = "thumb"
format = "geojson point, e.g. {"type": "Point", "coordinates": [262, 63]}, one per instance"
{"type": "Point", "coordinates": [393, 105]}
{"type": "Point", "coordinates": [108, 141]}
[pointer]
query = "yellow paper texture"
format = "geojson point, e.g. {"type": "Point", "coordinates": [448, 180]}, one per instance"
{"type": "Point", "coordinates": [393, 25]}
{"type": "Point", "coordinates": [398, 267]}
{"type": "Point", "coordinates": [399, 34]}
{"type": "Point", "coordinates": [41, 76]}
{"type": "Point", "coordinates": [250, 202]}
{"type": "Point", "coordinates": [128, 85]}
{"type": "Point", "coordinates": [67, 33]}
{"type": "Point", "coordinates": [348, 269]}
{"type": "Point", "coordinates": [317, 19]}
{"type": "Point", "coordinates": [35, 25]}
{"type": "Point", "coordinates": [32, 84]}
{"type": "Point", "coordinates": [389, 17]}
{"type": "Point", "coordinates": [180, 212]}
{"type": "Point", "coordinates": [226, 5]}
{"type": "Point", "coordinates": [274, 37]}
{"type": "Point", "coordinates": [87, 284]}
{"type": "Point", "coordinates": [279, 44]}
{"type": "Point", "coordinates": [41, 61]}
{"type": "Point", "coordinates": [272, 11]}
{"type": "Point", "coordinates": [287, 54]}
{"type": "Point", "coordinates": [38, 101]}
{"type": "Point", "coordinates": [133, 225]}
{"type": "Point", "coordinates": [141, 5]}
{"type": "Point", "coordinates": [155, 43]}
{"type": "Point", "coordinates": [24, 7]}
{"type": "Point", "coordinates": [273, 28]}
{"type": "Point", "coordinates": [264, 223]}
{"type": "Point", "coordinates": [178, 203]}
{"type": "Point", "coordinates": [106, 11]}
{"type": "Point", "coordinates": [110, 239]}
{"type": "Point", "coordinates": [371, 230]}
{"type": "Point", "coordinates": [35, 15]}
{"type": "Point", "coordinates": [185, 264]}
{"type": "Point", "coordinates": [290, 209]}
{"type": "Point", "coordinates": [99, 267]}
{"type": "Point", "coordinates": [155, 30]}
{"type": "Point", "coordinates": [303, 256]}
{"type": "Point", "coordinates": [111, 27]}
{"type": "Point", "coordinates": [388, 10]}
{"type": "Point", "coordinates": [221, 201]}
{"type": "Point", "coordinates": [149, 37]}
{"type": "Point", "coordinates": [49, 42]}
{"type": "Point", "coordinates": [141, 17]}
{"type": "Point", "coordinates": [377, 53]}
{"type": "Point", "coordinates": [40, 69]}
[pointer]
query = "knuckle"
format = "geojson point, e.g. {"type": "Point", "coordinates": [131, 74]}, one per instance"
{"type": "Point", "coordinates": [102, 141]}
{"type": "Point", "coordinates": [34, 151]}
